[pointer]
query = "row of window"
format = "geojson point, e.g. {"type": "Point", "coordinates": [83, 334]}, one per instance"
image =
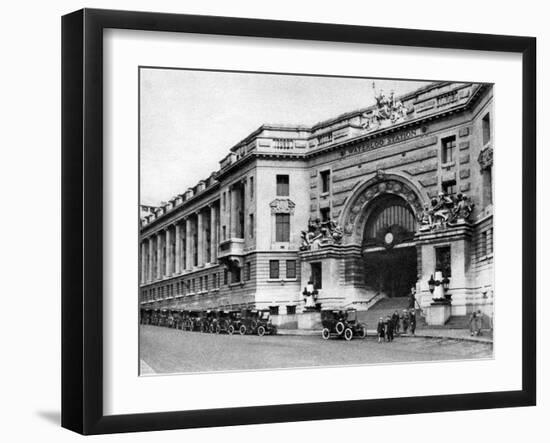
{"type": "Point", "coordinates": [198, 284]}
{"type": "Point", "coordinates": [275, 271]}
{"type": "Point", "coordinates": [212, 281]}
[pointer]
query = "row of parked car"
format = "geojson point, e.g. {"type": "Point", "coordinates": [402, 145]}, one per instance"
{"type": "Point", "coordinates": [246, 321]}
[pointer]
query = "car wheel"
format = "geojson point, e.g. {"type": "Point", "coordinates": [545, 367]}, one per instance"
{"type": "Point", "coordinates": [242, 330]}
{"type": "Point", "coordinates": [325, 334]}
{"type": "Point", "coordinates": [340, 328]}
{"type": "Point", "coordinates": [348, 334]}
{"type": "Point", "coordinates": [261, 331]}
{"type": "Point", "coordinates": [231, 330]}
{"type": "Point", "coordinates": [363, 332]}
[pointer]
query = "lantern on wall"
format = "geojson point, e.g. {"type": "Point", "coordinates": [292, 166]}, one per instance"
{"type": "Point", "coordinates": [431, 284]}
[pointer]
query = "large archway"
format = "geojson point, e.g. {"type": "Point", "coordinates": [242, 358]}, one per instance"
{"type": "Point", "coordinates": [380, 217]}
{"type": "Point", "coordinates": [388, 249]}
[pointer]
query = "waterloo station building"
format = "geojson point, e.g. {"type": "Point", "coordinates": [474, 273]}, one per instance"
{"type": "Point", "coordinates": [235, 239]}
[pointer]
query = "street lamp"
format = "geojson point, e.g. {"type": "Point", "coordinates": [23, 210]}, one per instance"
{"type": "Point", "coordinates": [445, 283]}
{"type": "Point", "coordinates": [431, 284]}
{"type": "Point", "coordinates": [439, 286]}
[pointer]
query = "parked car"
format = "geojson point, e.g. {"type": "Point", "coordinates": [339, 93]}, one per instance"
{"type": "Point", "coordinates": [256, 322]}
{"type": "Point", "coordinates": [342, 324]}
{"type": "Point", "coordinates": [235, 321]}
{"type": "Point", "coordinates": [221, 322]}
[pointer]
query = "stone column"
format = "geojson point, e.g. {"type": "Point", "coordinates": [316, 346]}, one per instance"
{"type": "Point", "coordinates": [158, 269]}
{"type": "Point", "coordinates": [168, 256]}
{"type": "Point", "coordinates": [150, 257]}
{"type": "Point", "coordinates": [177, 262]}
{"type": "Point", "coordinates": [200, 238]}
{"type": "Point", "coordinates": [243, 207]}
{"type": "Point", "coordinates": [143, 256]}
{"type": "Point", "coordinates": [213, 235]}
{"type": "Point", "coordinates": [232, 215]}
{"type": "Point", "coordinates": [188, 244]}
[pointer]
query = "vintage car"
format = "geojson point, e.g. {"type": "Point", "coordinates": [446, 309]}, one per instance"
{"type": "Point", "coordinates": [177, 319]}
{"type": "Point", "coordinates": [170, 320]}
{"type": "Point", "coordinates": [235, 321]}
{"type": "Point", "coordinates": [155, 317]}
{"type": "Point", "coordinates": [206, 319]}
{"type": "Point", "coordinates": [256, 322]}
{"type": "Point", "coordinates": [191, 321]}
{"type": "Point", "coordinates": [222, 322]}
{"type": "Point", "coordinates": [163, 317]}
{"type": "Point", "coordinates": [146, 316]}
{"type": "Point", "coordinates": [342, 324]}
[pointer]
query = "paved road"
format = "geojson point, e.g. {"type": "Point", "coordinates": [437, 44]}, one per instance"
{"type": "Point", "coordinates": [165, 350]}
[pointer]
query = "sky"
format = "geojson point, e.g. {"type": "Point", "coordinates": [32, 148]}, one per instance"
{"type": "Point", "coordinates": [190, 119]}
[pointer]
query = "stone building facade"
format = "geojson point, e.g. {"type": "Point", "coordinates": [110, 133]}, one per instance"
{"type": "Point", "coordinates": [365, 205]}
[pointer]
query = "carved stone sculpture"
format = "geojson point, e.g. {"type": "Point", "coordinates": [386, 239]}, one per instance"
{"type": "Point", "coordinates": [445, 211]}
{"type": "Point", "coordinates": [320, 233]}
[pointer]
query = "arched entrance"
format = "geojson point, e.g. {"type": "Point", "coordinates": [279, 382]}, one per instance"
{"type": "Point", "coordinates": [380, 219]}
{"type": "Point", "coordinates": [388, 249]}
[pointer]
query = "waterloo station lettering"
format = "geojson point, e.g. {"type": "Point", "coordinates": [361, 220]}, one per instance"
{"type": "Point", "coordinates": [381, 142]}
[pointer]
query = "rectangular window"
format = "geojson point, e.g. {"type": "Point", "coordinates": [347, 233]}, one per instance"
{"type": "Point", "coordinates": [291, 269]}
{"type": "Point", "coordinates": [206, 282]}
{"type": "Point", "coordinates": [193, 285]}
{"type": "Point", "coordinates": [247, 271]}
{"type": "Point", "coordinates": [325, 181]}
{"type": "Point", "coordinates": [224, 201]}
{"type": "Point", "coordinates": [483, 244]}
{"type": "Point", "coordinates": [291, 309]}
{"type": "Point", "coordinates": [236, 275]}
{"type": "Point", "coordinates": [325, 214]}
{"type": "Point", "coordinates": [448, 146]}
{"type": "Point", "coordinates": [214, 281]}
{"type": "Point", "coordinates": [225, 276]}
{"type": "Point", "coordinates": [282, 227]}
{"type": "Point", "coordinates": [486, 128]}
{"type": "Point", "coordinates": [282, 186]}
{"type": "Point", "coordinates": [490, 241]}
{"type": "Point", "coordinates": [443, 260]}
{"type": "Point", "coordinates": [274, 310]}
{"type": "Point", "coordinates": [251, 225]}
{"type": "Point", "coordinates": [273, 269]}
{"type": "Point", "coordinates": [251, 188]}
{"type": "Point", "coordinates": [224, 233]}
{"type": "Point", "coordinates": [449, 187]}
{"type": "Point", "coordinates": [317, 275]}
{"type": "Point", "coordinates": [487, 185]}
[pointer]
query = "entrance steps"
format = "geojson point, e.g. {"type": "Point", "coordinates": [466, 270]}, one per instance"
{"type": "Point", "coordinates": [386, 306]}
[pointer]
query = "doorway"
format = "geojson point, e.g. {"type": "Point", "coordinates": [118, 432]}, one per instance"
{"type": "Point", "coordinates": [392, 271]}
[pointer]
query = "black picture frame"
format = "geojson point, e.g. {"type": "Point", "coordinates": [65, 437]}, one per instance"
{"type": "Point", "coordinates": [82, 215]}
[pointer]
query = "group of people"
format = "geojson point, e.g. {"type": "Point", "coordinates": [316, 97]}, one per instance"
{"type": "Point", "coordinates": [396, 324]}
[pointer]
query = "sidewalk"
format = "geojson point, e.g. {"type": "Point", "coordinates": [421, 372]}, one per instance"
{"type": "Point", "coordinates": [451, 334]}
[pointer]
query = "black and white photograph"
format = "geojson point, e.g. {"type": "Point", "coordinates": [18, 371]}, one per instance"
{"type": "Point", "coordinates": [299, 221]}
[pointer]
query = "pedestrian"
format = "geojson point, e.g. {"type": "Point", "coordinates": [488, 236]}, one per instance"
{"type": "Point", "coordinates": [405, 321]}
{"type": "Point", "coordinates": [412, 320]}
{"type": "Point", "coordinates": [389, 329]}
{"type": "Point", "coordinates": [381, 330]}
{"type": "Point", "coordinates": [478, 322]}
{"type": "Point", "coordinates": [472, 322]}
{"type": "Point", "coordinates": [395, 321]}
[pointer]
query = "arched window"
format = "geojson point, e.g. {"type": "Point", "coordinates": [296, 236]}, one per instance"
{"type": "Point", "coordinates": [389, 214]}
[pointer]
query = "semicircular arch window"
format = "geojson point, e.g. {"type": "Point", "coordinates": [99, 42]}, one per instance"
{"type": "Point", "coordinates": [390, 222]}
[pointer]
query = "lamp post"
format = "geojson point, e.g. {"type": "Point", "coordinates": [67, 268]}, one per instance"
{"type": "Point", "coordinates": [439, 286]}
